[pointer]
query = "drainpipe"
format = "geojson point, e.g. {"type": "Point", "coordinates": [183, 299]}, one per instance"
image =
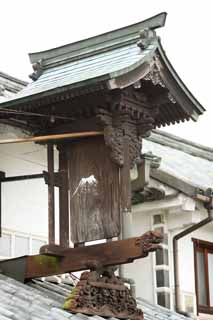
{"type": "Point", "coordinates": [208, 204]}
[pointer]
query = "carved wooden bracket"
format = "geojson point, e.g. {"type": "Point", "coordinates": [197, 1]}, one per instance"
{"type": "Point", "coordinates": [128, 116]}
{"type": "Point", "coordinates": [57, 178]}
{"type": "Point", "coordinates": [155, 77]}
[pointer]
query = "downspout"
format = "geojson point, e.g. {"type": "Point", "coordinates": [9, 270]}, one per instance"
{"type": "Point", "coordinates": [208, 203]}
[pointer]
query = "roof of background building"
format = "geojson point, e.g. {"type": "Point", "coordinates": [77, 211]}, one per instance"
{"type": "Point", "coordinates": [184, 166]}
{"type": "Point", "coordinates": [38, 300]}
{"type": "Point", "coordinates": [9, 85]}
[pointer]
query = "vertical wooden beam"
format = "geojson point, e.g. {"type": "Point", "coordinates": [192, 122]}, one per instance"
{"type": "Point", "coordinates": [0, 209]}
{"type": "Point", "coordinates": [51, 194]}
{"type": "Point", "coordinates": [2, 176]}
{"type": "Point", "coordinates": [125, 182]}
{"type": "Point", "coordinates": [63, 198]}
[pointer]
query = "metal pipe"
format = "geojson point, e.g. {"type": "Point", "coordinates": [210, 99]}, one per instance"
{"type": "Point", "coordinates": [175, 251]}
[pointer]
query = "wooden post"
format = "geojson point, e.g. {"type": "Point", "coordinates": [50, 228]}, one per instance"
{"type": "Point", "coordinates": [0, 209]}
{"type": "Point", "coordinates": [63, 199]}
{"type": "Point", "coordinates": [126, 215]}
{"type": "Point", "coordinates": [51, 194]}
{"type": "Point", "coordinates": [2, 176]}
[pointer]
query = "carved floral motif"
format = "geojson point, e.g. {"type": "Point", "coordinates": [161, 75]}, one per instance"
{"type": "Point", "coordinates": [103, 294]}
{"type": "Point", "coordinates": [128, 117]}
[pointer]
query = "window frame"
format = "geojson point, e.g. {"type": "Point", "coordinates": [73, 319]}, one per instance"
{"type": "Point", "coordinates": [205, 247]}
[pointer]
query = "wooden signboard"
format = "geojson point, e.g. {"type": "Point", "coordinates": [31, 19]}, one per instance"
{"type": "Point", "coordinates": [93, 181]}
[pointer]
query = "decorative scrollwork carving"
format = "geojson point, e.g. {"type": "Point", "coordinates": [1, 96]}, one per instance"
{"type": "Point", "coordinates": [154, 76]}
{"type": "Point", "coordinates": [104, 294]}
{"type": "Point", "coordinates": [147, 194]}
{"type": "Point", "coordinates": [129, 117]}
{"type": "Point", "coordinates": [146, 38]}
{"type": "Point", "coordinates": [38, 69]}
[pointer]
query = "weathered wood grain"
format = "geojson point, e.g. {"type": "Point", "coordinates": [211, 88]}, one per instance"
{"type": "Point", "coordinates": [94, 207]}
{"type": "Point", "coordinates": [63, 198]}
{"type": "Point", "coordinates": [51, 194]}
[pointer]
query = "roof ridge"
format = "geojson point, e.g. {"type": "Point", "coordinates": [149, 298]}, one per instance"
{"type": "Point", "coordinates": [161, 137]}
{"type": "Point", "coordinates": [99, 41]}
{"type": "Point", "coordinates": [12, 78]}
{"type": "Point", "coordinates": [183, 140]}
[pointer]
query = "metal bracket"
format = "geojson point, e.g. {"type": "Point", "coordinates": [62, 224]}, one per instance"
{"type": "Point", "coordinates": [58, 178]}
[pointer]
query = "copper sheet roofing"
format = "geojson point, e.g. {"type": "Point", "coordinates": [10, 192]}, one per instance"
{"type": "Point", "coordinates": [113, 60]}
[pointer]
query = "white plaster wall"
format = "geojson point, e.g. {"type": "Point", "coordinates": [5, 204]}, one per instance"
{"type": "Point", "coordinates": [24, 203]}
{"type": "Point", "coordinates": [185, 249]}
{"type": "Point", "coordinates": [142, 269]}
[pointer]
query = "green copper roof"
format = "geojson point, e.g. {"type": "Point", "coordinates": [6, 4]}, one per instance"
{"type": "Point", "coordinates": [112, 60]}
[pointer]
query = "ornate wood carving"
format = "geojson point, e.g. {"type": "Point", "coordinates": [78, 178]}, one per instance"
{"type": "Point", "coordinates": [38, 69]}
{"type": "Point", "coordinates": [104, 294]}
{"type": "Point", "coordinates": [155, 77]}
{"type": "Point", "coordinates": [127, 115]}
{"type": "Point", "coordinates": [146, 38]}
{"type": "Point", "coordinates": [147, 194]}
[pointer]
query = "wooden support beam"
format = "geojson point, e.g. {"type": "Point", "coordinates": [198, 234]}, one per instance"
{"type": "Point", "coordinates": [125, 182]}
{"type": "Point", "coordinates": [51, 194]}
{"type": "Point", "coordinates": [2, 176]}
{"type": "Point", "coordinates": [0, 209]}
{"type": "Point", "coordinates": [92, 257]}
{"type": "Point", "coordinates": [59, 260]}
{"type": "Point", "coordinates": [64, 230]}
{"type": "Point", "coordinates": [20, 178]}
{"type": "Point", "coordinates": [52, 137]}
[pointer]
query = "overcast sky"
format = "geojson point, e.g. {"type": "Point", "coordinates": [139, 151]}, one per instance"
{"type": "Point", "coordinates": [35, 25]}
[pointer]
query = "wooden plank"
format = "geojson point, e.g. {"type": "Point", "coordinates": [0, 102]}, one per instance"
{"type": "Point", "coordinates": [51, 194]}
{"type": "Point", "coordinates": [90, 257]}
{"type": "Point", "coordinates": [125, 179]}
{"type": "Point", "coordinates": [94, 191]}
{"type": "Point", "coordinates": [0, 208]}
{"type": "Point", "coordinates": [126, 215]}
{"type": "Point", "coordinates": [53, 137]}
{"type": "Point", "coordinates": [2, 176]}
{"type": "Point", "coordinates": [64, 233]}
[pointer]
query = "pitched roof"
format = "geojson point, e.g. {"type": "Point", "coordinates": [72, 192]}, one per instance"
{"type": "Point", "coordinates": [40, 301]}
{"type": "Point", "coordinates": [9, 85]}
{"type": "Point", "coordinates": [113, 60]}
{"type": "Point", "coordinates": [185, 166]}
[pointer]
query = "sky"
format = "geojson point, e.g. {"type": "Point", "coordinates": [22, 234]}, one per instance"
{"type": "Point", "coordinates": [30, 26]}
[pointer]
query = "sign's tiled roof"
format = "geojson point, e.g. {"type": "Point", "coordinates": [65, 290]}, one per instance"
{"type": "Point", "coordinates": [114, 60]}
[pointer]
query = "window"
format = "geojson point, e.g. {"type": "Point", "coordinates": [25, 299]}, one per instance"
{"type": "Point", "coordinates": [203, 258]}
{"type": "Point", "coordinates": [15, 245]}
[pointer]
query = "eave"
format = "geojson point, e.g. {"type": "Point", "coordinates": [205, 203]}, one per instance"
{"type": "Point", "coordinates": [114, 60]}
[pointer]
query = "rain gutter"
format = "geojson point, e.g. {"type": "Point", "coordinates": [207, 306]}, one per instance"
{"type": "Point", "coordinates": [208, 204]}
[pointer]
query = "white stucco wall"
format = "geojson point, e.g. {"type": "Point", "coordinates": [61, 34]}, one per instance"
{"type": "Point", "coordinates": [24, 203]}
{"type": "Point", "coordinates": [177, 218]}
{"type": "Point", "coordinates": [142, 270]}
{"type": "Point", "coordinates": [185, 249]}
{"type": "Point", "coordinates": [186, 255]}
